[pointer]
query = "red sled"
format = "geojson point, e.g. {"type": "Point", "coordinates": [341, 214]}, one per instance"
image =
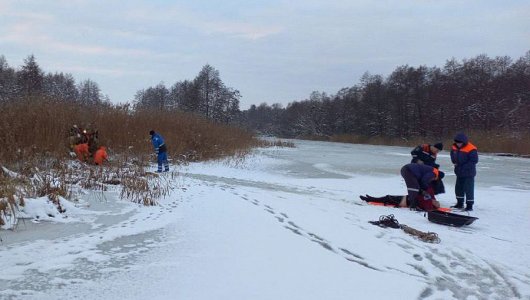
{"type": "Point", "coordinates": [443, 209]}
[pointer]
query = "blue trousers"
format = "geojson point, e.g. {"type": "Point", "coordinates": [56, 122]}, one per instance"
{"type": "Point", "coordinates": [162, 160]}
{"type": "Point", "coordinates": [413, 186]}
{"type": "Point", "coordinates": [465, 190]}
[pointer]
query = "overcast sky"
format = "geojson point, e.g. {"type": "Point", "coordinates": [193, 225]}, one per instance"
{"type": "Point", "coordinates": [272, 51]}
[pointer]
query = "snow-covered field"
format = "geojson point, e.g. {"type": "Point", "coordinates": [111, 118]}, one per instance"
{"type": "Point", "coordinates": [285, 224]}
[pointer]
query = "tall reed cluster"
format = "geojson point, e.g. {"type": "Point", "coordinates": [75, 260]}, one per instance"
{"type": "Point", "coordinates": [36, 130]}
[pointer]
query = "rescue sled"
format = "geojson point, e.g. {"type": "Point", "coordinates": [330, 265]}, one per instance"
{"type": "Point", "coordinates": [442, 209]}
{"type": "Point", "coordinates": [450, 219]}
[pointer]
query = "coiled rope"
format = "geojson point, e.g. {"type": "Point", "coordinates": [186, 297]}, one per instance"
{"type": "Point", "coordinates": [391, 221]}
{"type": "Point", "coordinates": [428, 237]}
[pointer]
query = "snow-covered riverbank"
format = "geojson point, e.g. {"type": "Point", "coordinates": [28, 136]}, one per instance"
{"type": "Point", "coordinates": [285, 224]}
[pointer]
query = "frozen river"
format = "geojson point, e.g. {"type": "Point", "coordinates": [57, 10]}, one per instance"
{"type": "Point", "coordinates": [313, 159]}
{"type": "Point", "coordinates": [284, 224]}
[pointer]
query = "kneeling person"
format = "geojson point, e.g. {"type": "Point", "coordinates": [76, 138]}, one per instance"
{"type": "Point", "coordinates": [419, 178]}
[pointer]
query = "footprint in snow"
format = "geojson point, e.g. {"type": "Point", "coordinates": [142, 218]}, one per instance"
{"type": "Point", "coordinates": [293, 224]}
{"type": "Point", "coordinates": [380, 235]}
{"type": "Point", "coordinates": [351, 253]}
{"type": "Point", "coordinates": [294, 230]}
{"type": "Point", "coordinates": [315, 236]}
{"type": "Point", "coordinates": [325, 245]}
{"type": "Point", "coordinates": [420, 269]}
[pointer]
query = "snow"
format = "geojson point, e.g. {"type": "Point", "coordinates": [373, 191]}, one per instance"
{"type": "Point", "coordinates": [286, 223]}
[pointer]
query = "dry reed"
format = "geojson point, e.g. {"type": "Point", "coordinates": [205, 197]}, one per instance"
{"type": "Point", "coordinates": [487, 142]}
{"type": "Point", "coordinates": [34, 140]}
{"type": "Point", "coordinates": [35, 130]}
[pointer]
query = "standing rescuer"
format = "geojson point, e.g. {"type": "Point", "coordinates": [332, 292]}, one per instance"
{"type": "Point", "coordinates": [464, 156]}
{"type": "Point", "coordinates": [160, 150]}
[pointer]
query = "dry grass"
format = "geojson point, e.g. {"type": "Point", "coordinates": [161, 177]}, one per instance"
{"type": "Point", "coordinates": [33, 135]}
{"type": "Point", "coordinates": [277, 143]}
{"type": "Point", "coordinates": [487, 142]}
{"type": "Point", "coordinates": [36, 130]}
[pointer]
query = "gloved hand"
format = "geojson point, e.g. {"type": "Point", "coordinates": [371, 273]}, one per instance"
{"type": "Point", "coordinates": [426, 195]}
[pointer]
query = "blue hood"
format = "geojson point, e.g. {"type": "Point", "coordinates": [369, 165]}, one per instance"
{"type": "Point", "coordinates": [461, 137]}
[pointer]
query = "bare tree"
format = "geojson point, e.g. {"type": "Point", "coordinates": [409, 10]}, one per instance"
{"type": "Point", "coordinates": [89, 93]}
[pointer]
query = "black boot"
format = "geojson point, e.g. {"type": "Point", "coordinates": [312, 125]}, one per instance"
{"type": "Point", "coordinates": [369, 198]}
{"type": "Point", "coordinates": [459, 205]}
{"type": "Point", "coordinates": [386, 200]}
{"type": "Point", "coordinates": [469, 206]}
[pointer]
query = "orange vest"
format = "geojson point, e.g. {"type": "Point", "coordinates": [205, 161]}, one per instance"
{"type": "Point", "coordinates": [436, 173]}
{"type": "Point", "coordinates": [466, 149]}
{"type": "Point", "coordinates": [81, 151]}
{"type": "Point", "coordinates": [100, 156]}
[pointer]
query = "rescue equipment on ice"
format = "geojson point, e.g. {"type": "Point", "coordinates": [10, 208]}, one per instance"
{"type": "Point", "coordinates": [391, 221]}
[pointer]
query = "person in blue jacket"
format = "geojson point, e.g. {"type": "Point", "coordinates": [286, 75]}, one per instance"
{"type": "Point", "coordinates": [160, 150]}
{"type": "Point", "coordinates": [418, 178]}
{"type": "Point", "coordinates": [464, 156]}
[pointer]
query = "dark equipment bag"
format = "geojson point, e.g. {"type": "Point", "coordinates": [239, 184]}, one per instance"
{"type": "Point", "coordinates": [450, 219]}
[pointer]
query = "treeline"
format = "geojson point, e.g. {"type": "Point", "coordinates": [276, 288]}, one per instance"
{"type": "Point", "coordinates": [206, 95]}
{"type": "Point", "coordinates": [30, 81]}
{"type": "Point", "coordinates": [482, 93]}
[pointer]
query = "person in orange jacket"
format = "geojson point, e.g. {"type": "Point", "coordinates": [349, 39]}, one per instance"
{"type": "Point", "coordinates": [426, 154]}
{"type": "Point", "coordinates": [101, 155]}
{"type": "Point", "coordinates": [81, 151]}
{"type": "Point", "coordinates": [464, 156]}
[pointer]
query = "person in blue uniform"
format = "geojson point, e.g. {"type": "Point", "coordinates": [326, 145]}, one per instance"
{"type": "Point", "coordinates": [160, 150]}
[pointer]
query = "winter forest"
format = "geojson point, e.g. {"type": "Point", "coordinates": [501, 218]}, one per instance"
{"type": "Point", "coordinates": [481, 93]}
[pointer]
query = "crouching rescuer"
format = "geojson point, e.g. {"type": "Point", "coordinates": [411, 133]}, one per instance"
{"type": "Point", "coordinates": [418, 179]}
{"type": "Point", "coordinates": [101, 156]}
{"type": "Point", "coordinates": [160, 150]}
